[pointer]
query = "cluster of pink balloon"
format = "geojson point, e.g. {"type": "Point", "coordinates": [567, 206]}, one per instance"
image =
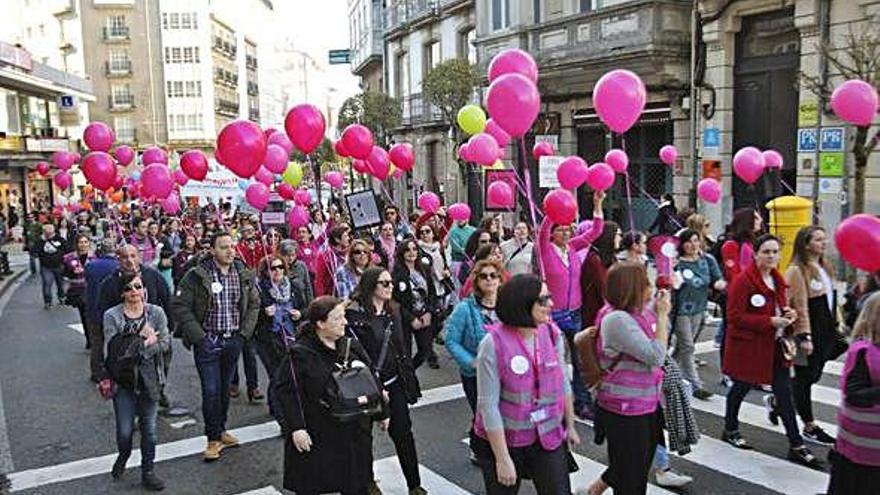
{"type": "Point", "coordinates": [431, 203]}
{"type": "Point", "coordinates": [356, 142]}
{"type": "Point", "coordinates": [749, 163]}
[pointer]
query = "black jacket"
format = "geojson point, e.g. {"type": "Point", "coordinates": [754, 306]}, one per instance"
{"type": "Point", "coordinates": [110, 292]}
{"type": "Point", "coordinates": [369, 330]}
{"type": "Point", "coordinates": [51, 251]}
{"type": "Point", "coordinates": [404, 292]}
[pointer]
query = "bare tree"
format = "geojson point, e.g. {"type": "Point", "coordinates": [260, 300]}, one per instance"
{"type": "Point", "coordinates": [858, 57]}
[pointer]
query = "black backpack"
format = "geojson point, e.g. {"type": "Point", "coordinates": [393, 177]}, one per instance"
{"type": "Point", "coordinates": [123, 357]}
{"type": "Point", "coordinates": [352, 392]}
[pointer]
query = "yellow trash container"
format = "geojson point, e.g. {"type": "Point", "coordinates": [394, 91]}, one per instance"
{"type": "Point", "coordinates": [788, 215]}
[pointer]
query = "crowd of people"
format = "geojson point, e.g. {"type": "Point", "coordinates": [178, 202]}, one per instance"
{"type": "Point", "coordinates": [342, 319]}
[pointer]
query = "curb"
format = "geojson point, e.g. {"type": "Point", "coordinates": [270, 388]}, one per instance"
{"type": "Point", "coordinates": [7, 283]}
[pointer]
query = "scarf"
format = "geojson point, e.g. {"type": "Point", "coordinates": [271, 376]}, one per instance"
{"type": "Point", "coordinates": [280, 293]}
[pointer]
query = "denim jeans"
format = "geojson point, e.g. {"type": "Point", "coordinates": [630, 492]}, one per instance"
{"type": "Point", "coordinates": [569, 321]}
{"type": "Point", "coordinates": [249, 356]}
{"type": "Point", "coordinates": [48, 276]}
{"type": "Point", "coordinates": [215, 362]}
{"type": "Point", "coordinates": [784, 404]}
{"type": "Point", "coordinates": [661, 458]}
{"type": "Point", "coordinates": [127, 404]}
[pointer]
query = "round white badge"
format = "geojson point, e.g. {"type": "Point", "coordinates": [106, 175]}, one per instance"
{"type": "Point", "coordinates": [519, 364]}
{"type": "Point", "coordinates": [216, 287]}
{"type": "Point", "coordinates": [669, 250]}
{"type": "Point", "coordinates": [687, 273]}
{"type": "Point", "coordinates": [307, 252]}
{"type": "Point", "coordinates": [758, 300]}
{"type": "Point", "coordinates": [729, 263]}
{"type": "Point", "coordinates": [816, 285]}
{"type": "Point", "coordinates": [402, 286]}
{"type": "Point", "coordinates": [426, 261]}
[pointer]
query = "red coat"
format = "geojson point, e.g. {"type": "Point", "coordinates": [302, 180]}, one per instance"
{"type": "Point", "coordinates": [750, 340]}
{"type": "Point", "coordinates": [251, 256]}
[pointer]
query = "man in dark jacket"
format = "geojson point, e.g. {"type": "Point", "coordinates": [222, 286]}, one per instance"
{"type": "Point", "coordinates": [96, 271]}
{"type": "Point", "coordinates": [50, 250]}
{"type": "Point", "coordinates": [216, 307]}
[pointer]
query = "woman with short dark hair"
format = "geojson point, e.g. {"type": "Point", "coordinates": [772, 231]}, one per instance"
{"type": "Point", "coordinates": [520, 364]}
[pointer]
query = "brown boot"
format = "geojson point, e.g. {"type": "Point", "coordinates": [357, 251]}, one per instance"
{"type": "Point", "coordinates": [212, 451]}
{"type": "Point", "coordinates": [228, 440]}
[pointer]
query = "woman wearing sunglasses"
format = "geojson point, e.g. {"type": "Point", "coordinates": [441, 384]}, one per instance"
{"type": "Point", "coordinates": [525, 413]}
{"type": "Point", "coordinates": [349, 274]}
{"type": "Point", "coordinates": [375, 321]}
{"type": "Point", "coordinates": [414, 291]}
{"type": "Point", "coordinates": [280, 310]}
{"type": "Point", "coordinates": [141, 398]}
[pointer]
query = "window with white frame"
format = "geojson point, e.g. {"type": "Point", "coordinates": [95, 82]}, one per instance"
{"type": "Point", "coordinates": [501, 14]}
{"type": "Point", "coordinates": [121, 95]}
{"type": "Point", "coordinates": [116, 23]}
{"type": "Point", "coordinates": [193, 89]}
{"type": "Point", "coordinates": [187, 54]}
{"type": "Point", "coordinates": [124, 129]}
{"type": "Point", "coordinates": [174, 20]}
{"type": "Point", "coordinates": [120, 61]}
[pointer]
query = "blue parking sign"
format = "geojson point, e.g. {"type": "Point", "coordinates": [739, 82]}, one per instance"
{"type": "Point", "coordinates": [806, 140]}
{"type": "Point", "coordinates": [66, 101]}
{"type": "Point", "coordinates": [711, 137]}
{"type": "Point", "coordinates": [831, 139]}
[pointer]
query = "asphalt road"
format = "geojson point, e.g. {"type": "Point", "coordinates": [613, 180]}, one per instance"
{"type": "Point", "coordinates": [61, 433]}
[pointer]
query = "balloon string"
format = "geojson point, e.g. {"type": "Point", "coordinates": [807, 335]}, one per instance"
{"type": "Point", "coordinates": [524, 158]}
{"type": "Point", "coordinates": [632, 223]}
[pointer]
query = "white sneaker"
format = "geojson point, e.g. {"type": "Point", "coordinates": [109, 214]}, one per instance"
{"type": "Point", "coordinates": [671, 479]}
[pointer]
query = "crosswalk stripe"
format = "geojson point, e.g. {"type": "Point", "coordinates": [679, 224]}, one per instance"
{"type": "Point", "coordinates": [750, 414]}
{"type": "Point", "coordinates": [705, 347]}
{"type": "Point", "coordinates": [76, 327]}
{"type": "Point", "coordinates": [266, 490]}
{"type": "Point", "coordinates": [833, 368]}
{"type": "Point", "coordinates": [392, 481]}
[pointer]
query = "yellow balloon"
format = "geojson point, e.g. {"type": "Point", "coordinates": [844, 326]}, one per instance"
{"type": "Point", "coordinates": [293, 175]}
{"type": "Point", "coordinates": [471, 119]}
{"type": "Point", "coordinates": [498, 165]}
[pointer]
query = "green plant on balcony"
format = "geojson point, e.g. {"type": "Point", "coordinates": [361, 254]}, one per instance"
{"type": "Point", "coordinates": [378, 111]}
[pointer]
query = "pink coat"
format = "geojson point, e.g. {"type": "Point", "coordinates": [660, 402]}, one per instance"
{"type": "Point", "coordinates": [564, 281]}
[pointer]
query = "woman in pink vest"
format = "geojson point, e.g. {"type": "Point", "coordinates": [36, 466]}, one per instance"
{"type": "Point", "coordinates": [632, 347]}
{"type": "Point", "coordinates": [855, 460]}
{"type": "Point", "coordinates": [525, 414]}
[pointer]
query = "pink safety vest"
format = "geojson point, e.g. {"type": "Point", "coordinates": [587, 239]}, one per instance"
{"type": "Point", "coordinates": [523, 391]}
{"type": "Point", "coordinates": [858, 428]}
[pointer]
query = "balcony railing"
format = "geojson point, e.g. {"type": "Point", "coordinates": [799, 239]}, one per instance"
{"type": "Point", "coordinates": [646, 28]}
{"type": "Point", "coordinates": [253, 89]}
{"type": "Point", "coordinates": [116, 33]}
{"type": "Point", "coordinates": [226, 107]}
{"type": "Point", "coordinates": [417, 112]}
{"type": "Point", "coordinates": [226, 78]}
{"type": "Point", "coordinates": [250, 61]}
{"type": "Point", "coordinates": [117, 69]}
{"type": "Point", "coordinates": [254, 114]}
{"type": "Point", "coordinates": [120, 101]}
{"type": "Point", "coordinates": [402, 12]}
{"type": "Point", "coordinates": [224, 47]}
{"type": "Point", "coordinates": [370, 45]}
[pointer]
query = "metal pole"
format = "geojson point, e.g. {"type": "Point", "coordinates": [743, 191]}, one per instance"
{"type": "Point", "coordinates": [695, 177]}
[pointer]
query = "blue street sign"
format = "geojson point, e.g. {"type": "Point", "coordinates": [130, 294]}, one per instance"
{"type": "Point", "coordinates": [806, 140]}
{"type": "Point", "coordinates": [831, 139]}
{"type": "Point", "coordinates": [711, 137]}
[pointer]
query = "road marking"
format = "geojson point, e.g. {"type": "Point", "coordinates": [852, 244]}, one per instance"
{"type": "Point", "coordinates": [833, 368]}
{"type": "Point", "coordinates": [266, 490]}
{"type": "Point", "coordinates": [84, 468]}
{"type": "Point", "coordinates": [6, 464]}
{"type": "Point", "coordinates": [392, 481]}
{"type": "Point", "coordinates": [77, 327]}
{"type": "Point", "coordinates": [750, 414]}
{"type": "Point", "coordinates": [705, 347]}
{"type": "Point", "coordinates": [180, 424]}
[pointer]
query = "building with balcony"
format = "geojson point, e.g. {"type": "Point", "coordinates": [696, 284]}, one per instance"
{"type": "Point", "coordinates": [366, 20]}
{"type": "Point", "coordinates": [419, 34]}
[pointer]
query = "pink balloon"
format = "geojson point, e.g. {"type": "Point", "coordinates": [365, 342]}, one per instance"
{"type": "Point", "coordinates": [856, 102]}
{"type": "Point", "coordinates": [63, 159]}
{"type": "Point", "coordinates": [499, 193]}
{"type": "Point", "coordinates": [269, 131]}
{"type": "Point", "coordinates": [709, 190]}
{"type": "Point", "coordinates": [360, 166]}
{"type": "Point", "coordinates": [668, 154]}
{"type": "Point", "coordinates": [600, 176]}
{"type": "Point", "coordinates": [305, 127]}
{"type": "Point", "coordinates": [157, 181]}
{"type": "Point", "coordinates": [171, 204]}
{"type": "Point", "coordinates": [118, 180]}
{"type": "Point", "coordinates": [514, 102]}
{"type": "Point", "coordinates": [464, 153]}
{"type": "Point", "coordinates": [513, 60]}
{"type": "Point", "coordinates": [358, 141]}
{"type": "Point", "coordinates": [402, 156]}
{"type": "Point", "coordinates": [493, 129]}
{"type": "Point", "coordinates": [281, 139]}
{"type": "Point", "coordinates": [773, 159]}
{"type": "Point", "coordinates": [429, 202]}
{"type": "Point", "coordinates": [502, 153]}
{"type": "Point", "coordinates": [858, 240]}
{"type": "Point", "coordinates": [560, 206]}
{"type": "Point", "coordinates": [748, 164]}
{"type": "Point", "coordinates": [459, 211]}
{"type": "Point", "coordinates": [276, 159]}
{"type": "Point", "coordinates": [542, 148]}
{"type": "Point", "coordinates": [257, 195]}
{"type": "Point", "coordinates": [298, 217]}
{"type": "Point", "coordinates": [334, 178]}
{"type": "Point", "coordinates": [180, 177]}
{"type": "Point", "coordinates": [243, 146]}
{"type": "Point", "coordinates": [397, 174]}
{"type": "Point", "coordinates": [62, 180]}
{"type": "Point", "coordinates": [286, 191]}
{"type": "Point", "coordinates": [154, 154]}
{"type": "Point", "coordinates": [98, 136]}
{"type": "Point", "coordinates": [617, 160]}
{"type": "Point", "coordinates": [264, 176]}
{"type": "Point", "coordinates": [218, 156]}
{"type": "Point", "coordinates": [43, 168]}
{"type": "Point", "coordinates": [619, 97]}
{"type": "Point", "coordinates": [339, 148]}
{"type": "Point", "coordinates": [483, 149]}
{"type": "Point", "coordinates": [194, 164]}
{"type": "Point", "coordinates": [572, 172]}
{"type": "Point", "coordinates": [124, 154]}
{"type": "Point", "coordinates": [76, 157]}
{"type": "Point", "coordinates": [302, 197]}
{"type": "Point", "coordinates": [378, 162]}
{"type": "Point", "coordinates": [99, 169]}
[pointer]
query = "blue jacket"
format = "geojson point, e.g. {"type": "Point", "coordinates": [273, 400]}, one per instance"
{"type": "Point", "coordinates": [464, 332]}
{"type": "Point", "coordinates": [96, 271]}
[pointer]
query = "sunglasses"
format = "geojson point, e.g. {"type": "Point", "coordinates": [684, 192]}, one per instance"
{"type": "Point", "coordinates": [544, 300]}
{"type": "Point", "coordinates": [411, 249]}
{"type": "Point", "coordinates": [488, 276]}
{"type": "Point", "coordinates": [426, 231]}
{"type": "Point", "coordinates": [357, 252]}
{"type": "Point", "coordinates": [277, 267]}
{"type": "Point", "coordinates": [131, 287]}
{"type": "Point", "coordinates": [485, 241]}
{"type": "Point", "coordinates": [385, 283]}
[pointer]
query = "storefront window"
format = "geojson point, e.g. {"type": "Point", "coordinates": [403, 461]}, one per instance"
{"type": "Point", "coordinates": [9, 118]}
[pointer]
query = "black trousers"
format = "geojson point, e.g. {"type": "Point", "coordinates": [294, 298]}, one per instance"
{"type": "Point", "coordinates": [548, 469]}
{"type": "Point", "coordinates": [632, 441]}
{"type": "Point", "coordinates": [424, 338]}
{"type": "Point", "coordinates": [781, 392]}
{"type": "Point", "coordinates": [804, 379]}
{"type": "Point", "coordinates": [400, 430]}
{"type": "Point", "coordinates": [96, 350]}
{"type": "Point", "coordinates": [850, 478]}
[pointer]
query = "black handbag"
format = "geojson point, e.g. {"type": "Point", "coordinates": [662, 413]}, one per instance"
{"type": "Point", "coordinates": [406, 374]}
{"type": "Point", "coordinates": [352, 391]}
